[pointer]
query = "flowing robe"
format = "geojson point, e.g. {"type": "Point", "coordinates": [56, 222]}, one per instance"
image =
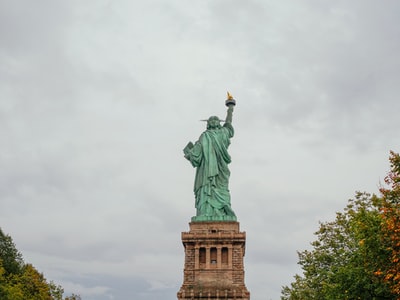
{"type": "Point", "coordinates": [211, 187]}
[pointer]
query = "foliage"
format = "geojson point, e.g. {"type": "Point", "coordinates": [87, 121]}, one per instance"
{"type": "Point", "coordinates": [11, 258]}
{"type": "Point", "coordinates": [357, 256]}
{"type": "Point", "coordinates": [2, 281]}
{"type": "Point", "coordinates": [20, 281]}
{"type": "Point", "coordinates": [56, 291]}
{"type": "Point", "coordinates": [345, 256]}
{"type": "Point", "coordinates": [29, 285]}
{"type": "Point", "coordinates": [391, 224]}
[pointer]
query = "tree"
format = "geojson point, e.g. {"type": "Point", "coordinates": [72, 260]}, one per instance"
{"type": "Point", "coordinates": [29, 285]}
{"type": "Point", "coordinates": [345, 256]}
{"type": "Point", "coordinates": [56, 291]}
{"type": "Point", "coordinates": [2, 281]}
{"type": "Point", "coordinates": [11, 258]}
{"type": "Point", "coordinates": [391, 224]}
{"type": "Point", "coordinates": [20, 281]}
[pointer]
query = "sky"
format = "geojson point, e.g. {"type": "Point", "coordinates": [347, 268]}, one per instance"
{"type": "Point", "coordinates": [98, 99]}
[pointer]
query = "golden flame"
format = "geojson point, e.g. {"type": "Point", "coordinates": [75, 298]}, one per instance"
{"type": "Point", "coordinates": [229, 96]}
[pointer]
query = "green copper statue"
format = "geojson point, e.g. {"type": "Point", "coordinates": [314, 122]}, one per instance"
{"type": "Point", "coordinates": [211, 158]}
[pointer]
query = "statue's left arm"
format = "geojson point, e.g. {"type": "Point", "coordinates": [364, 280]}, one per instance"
{"type": "Point", "coordinates": [193, 153]}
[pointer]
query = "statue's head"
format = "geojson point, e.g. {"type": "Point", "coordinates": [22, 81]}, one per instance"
{"type": "Point", "coordinates": [213, 122]}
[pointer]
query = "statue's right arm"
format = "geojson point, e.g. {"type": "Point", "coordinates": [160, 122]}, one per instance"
{"type": "Point", "coordinates": [229, 114]}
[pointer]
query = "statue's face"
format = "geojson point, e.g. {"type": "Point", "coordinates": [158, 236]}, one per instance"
{"type": "Point", "coordinates": [213, 122]}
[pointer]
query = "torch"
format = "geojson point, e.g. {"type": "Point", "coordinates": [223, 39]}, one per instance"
{"type": "Point", "coordinates": [230, 100]}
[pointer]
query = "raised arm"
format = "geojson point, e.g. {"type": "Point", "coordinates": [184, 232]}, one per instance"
{"type": "Point", "coordinates": [229, 114]}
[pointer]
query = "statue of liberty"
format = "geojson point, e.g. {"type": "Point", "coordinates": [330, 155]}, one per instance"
{"type": "Point", "coordinates": [211, 158]}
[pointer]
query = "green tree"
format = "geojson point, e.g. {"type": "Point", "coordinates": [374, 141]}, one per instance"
{"type": "Point", "coordinates": [56, 291]}
{"type": "Point", "coordinates": [29, 285]}
{"type": "Point", "coordinates": [2, 281]}
{"type": "Point", "coordinates": [345, 256]}
{"type": "Point", "coordinates": [11, 258]}
{"type": "Point", "coordinates": [20, 281]}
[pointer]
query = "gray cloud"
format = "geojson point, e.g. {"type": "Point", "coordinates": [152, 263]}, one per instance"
{"type": "Point", "coordinates": [98, 100]}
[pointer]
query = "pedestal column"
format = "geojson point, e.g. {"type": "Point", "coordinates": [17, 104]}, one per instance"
{"type": "Point", "coordinates": [214, 279]}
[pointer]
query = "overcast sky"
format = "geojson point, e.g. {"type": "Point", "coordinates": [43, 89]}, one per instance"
{"type": "Point", "coordinates": [98, 99]}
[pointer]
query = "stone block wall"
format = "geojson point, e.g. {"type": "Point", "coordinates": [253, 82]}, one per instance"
{"type": "Point", "coordinates": [214, 268]}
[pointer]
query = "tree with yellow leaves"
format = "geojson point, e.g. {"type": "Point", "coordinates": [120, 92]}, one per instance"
{"type": "Point", "coordinates": [391, 224]}
{"type": "Point", "coordinates": [21, 281]}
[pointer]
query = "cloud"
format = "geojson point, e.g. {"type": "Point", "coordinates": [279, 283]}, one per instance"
{"type": "Point", "coordinates": [97, 101]}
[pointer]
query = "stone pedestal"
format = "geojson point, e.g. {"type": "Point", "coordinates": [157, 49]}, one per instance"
{"type": "Point", "coordinates": [214, 266]}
